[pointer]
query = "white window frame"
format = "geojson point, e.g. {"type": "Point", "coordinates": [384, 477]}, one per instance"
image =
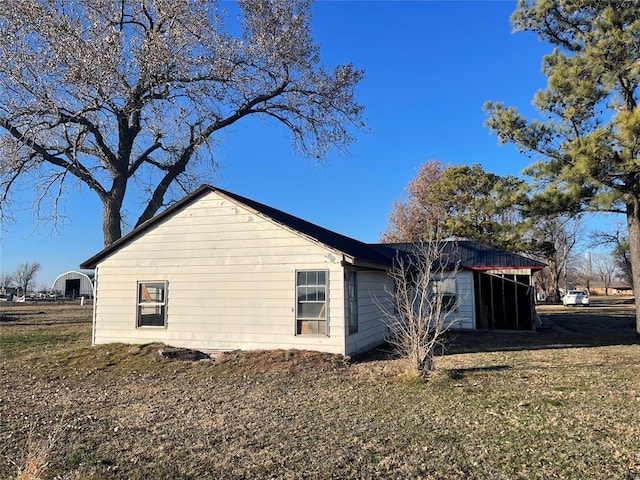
{"type": "Point", "coordinates": [303, 324]}
{"type": "Point", "coordinates": [144, 300]}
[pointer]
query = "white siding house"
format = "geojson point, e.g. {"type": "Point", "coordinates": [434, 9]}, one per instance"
{"type": "Point", "coordinates": [217, 274]}
{"type": "Point", "coordinates": [218, 271]}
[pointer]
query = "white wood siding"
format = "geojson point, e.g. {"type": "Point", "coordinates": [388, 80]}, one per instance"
{"type": "Point", "coordinates": [372, 285]}
{"type": "Point", "coordinates": [464, 316]}
{"type": "Point", "coordinates": [231, 282]}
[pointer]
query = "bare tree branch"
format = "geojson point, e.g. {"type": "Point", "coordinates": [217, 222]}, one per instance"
{"type": "Point", "coordinates": [136, 90]}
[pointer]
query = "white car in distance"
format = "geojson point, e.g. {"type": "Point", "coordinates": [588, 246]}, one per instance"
{"type": "Point", "coordinates": [576, 297]}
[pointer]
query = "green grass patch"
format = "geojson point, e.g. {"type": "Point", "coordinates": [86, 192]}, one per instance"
{"type": "Point", "coordinates": [38, 341]}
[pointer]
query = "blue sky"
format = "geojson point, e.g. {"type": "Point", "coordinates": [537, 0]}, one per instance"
{"type": "Point", "coordinates": [430, 66]}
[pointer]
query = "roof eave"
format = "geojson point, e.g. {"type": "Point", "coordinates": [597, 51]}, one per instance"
{"type": "Point", "coordinates": [366, 264]}
{"type": "Point", "coordinates": [504, 267]}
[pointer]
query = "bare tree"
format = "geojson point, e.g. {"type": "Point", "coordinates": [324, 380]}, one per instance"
{"type": "Point", "coordinates": [6, 281]}
{"type": "Point", "coordinates": [605, 269]}
{"type": "Point", "coordinates": [128, 98]}
{"type": "Point", "coordinates": [25, 274]}
{"type": "Point", "coordinates": [557, 237]}
{"type": "Point", "coordinates": [422, 306]}
{"type": "Point", "coordinates": [417, 215]}
{"type": "Point", "coordinates": [621, 252]}
{"type": "Point", "coordinates": [580, 268]}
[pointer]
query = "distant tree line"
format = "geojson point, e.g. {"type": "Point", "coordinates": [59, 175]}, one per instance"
{"type": "Point", "coordinates": [22, 278]}
{"type": "Point", "coordinates": [466, 202]}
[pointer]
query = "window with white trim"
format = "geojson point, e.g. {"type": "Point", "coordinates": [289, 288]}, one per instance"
{"type": "Point", "coordinates": [152, 304]}
{"type": "Point", "coordinates": [311, 302]}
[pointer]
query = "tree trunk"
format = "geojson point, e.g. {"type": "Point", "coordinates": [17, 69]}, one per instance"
{"type": "Point", "coordinates": [633, 224]}
{"type": "Point", "coordinates": [157, 199]}
{"type": "Point", "coordinates": [557, 297]}
{"type": "Point", "coordinates": [111, 223]}
{"type": "Point", "coordinates": [426, 365]}
{"type": "Point", "coordinates": [111, 211]}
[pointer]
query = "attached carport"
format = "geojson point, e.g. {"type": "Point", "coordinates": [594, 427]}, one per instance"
{"type": "Point", "coordinates": [503, 291]}
{"type": "Point", "coordinates": [504, 300]}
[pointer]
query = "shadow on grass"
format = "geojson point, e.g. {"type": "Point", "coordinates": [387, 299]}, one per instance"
{"type": "Point", "coordinates": [562, 327]}
{"type": "Point", "coordinates": [460, 373]}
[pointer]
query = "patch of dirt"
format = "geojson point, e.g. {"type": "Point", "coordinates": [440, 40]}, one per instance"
{"type": "Point", "coordinates": [280, 361]}
{"type": "Point", "coordinates": [43, 313]}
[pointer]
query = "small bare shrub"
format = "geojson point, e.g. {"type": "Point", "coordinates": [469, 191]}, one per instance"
{"type": "Point", "coordinates": [423, 304]}
{"type": "Point", "coordinates": [38, 456]}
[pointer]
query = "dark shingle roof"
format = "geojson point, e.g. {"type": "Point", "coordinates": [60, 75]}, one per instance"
{"type": "Point", "coordinates": [354, 248]}
{"type": "Point", "coordinates": [470, 255]}
{"type": "Point", "coordinates": [467, 254]}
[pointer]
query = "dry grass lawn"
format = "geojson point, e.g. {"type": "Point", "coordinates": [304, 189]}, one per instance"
{"type": "Point", "coordinates": [560, 403]}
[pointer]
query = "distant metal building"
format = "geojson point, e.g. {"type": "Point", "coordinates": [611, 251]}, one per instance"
{"type": "Point", "coordinates": [74, 284]}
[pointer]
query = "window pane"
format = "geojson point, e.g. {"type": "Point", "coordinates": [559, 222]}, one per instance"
{"type": "Point", "coordinates": [311, 310]}
{"type": "Point", "coordinates": [302, 294]}
{"type": "Point", "coordinates": [143, 294]}
{"type": "Point", "coordinates": [322, 328]}
{"type": "Point", "coordinates": [151, 316]}
{"type": "Point", "coordinates": [151, 293]}
{"type": "Point", "coordinates": [311, 278]}
{"type": "Point", "coordinates": [312, 294]}
{"type": "Point", "coordinates": [448, 286]}
{"type": "Point", "coordinates": [312, 327]}
{"type": "Point", "coordinates": [449, 301]}
{"type": "Point", "coordinates": [151, 310]}
{"type": "Point", "coordinates": [302, 327]}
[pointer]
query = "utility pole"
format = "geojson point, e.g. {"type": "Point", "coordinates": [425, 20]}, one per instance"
{"type": "Point", "coordinates": [589, 271]}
